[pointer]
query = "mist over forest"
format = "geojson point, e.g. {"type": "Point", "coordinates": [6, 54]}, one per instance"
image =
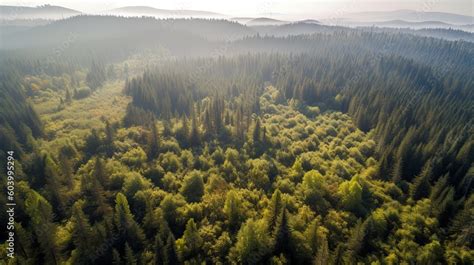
{"type": "Point", "coordinates": [140, 135]}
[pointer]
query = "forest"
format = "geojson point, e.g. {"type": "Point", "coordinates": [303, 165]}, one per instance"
{"type": "Point", "coordinates": [210, 142]}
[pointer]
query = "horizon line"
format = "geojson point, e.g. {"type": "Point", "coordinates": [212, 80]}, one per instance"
{"type": "Point", "coordinates": [219, 13]}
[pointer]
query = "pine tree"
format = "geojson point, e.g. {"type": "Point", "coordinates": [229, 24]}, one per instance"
{"type": "Point", "coordinates": [99, 171]}
{"type": "Point", "coordinates": [195, 136]}
{"type": "Point", "coordinates": [96, 76]}
{"type": "Point", "coordinates": [66, 154]}
{"type": "Point", "coordinates": [109, 139]}
{"type": "Point", "coordinates": [256, 132]}
{"type": "Point", "coordinates": [183, 133]}
{"type": "Point", "coordinates": [158, 250]}
{"type": "Point", "coordinates": [338, 256]}
{"type": "Point", "coordinates": [207, 123]}
{"type": "Point", "coordinates": [322, 256]}
{"type": "Point", "coordinates": [170, 256]}
{"type": "Point", "coordinates": [312, 236]}
{"type": "Point", "coordinates": [355, 244]}
{"type": "Point", "coordinates": [41, 216]}
{"type": "Point", "coordinates": [239, 125]}
{"type": "Point", "coordinates": [95, 203]}
{"type": "Point", "coordinates": [53, 185]}
{"type": "Point", "coordinates": [125, 222]}
{"type": "Point", "coordinates": [153, 142]}
{"type": "Point", "coordinates": [283, 237]}
{"type": "Point", "coordinates": [68, 96]}
{"type": "Point", "coordinates": [82, 234]}
{"type": "Point", "coordinates": [462, 225]}
{"type": "Point", "coordinates": [421, 184]}
{"type": "Point", "coordinates": [116, 260]}
{"type": "Point", "coordinates": [190, 244]}
{"type": "Point", "coordinates": [166, 128]}
{"type": "Point", "coordinates": [92, 143]}
{"type": "Point", "coordinates": [129, 256]}
{"type": "Point", "coordinates": [252, 244]}
{"type": "Point", "coordinates": [275, 210]}
{"type": "Point", "coordinates": [193, 187]}
{"type": "Point", "coordinates": [232, 210]}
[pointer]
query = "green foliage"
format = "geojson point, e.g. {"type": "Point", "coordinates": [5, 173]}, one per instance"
{"type": "Point", "coordinates": [125, 223]}
{"type": "Point", "coordinates": [96, 76]}
{"type": "Point", "coordinates": [135, 158]}
{"type": "Point", "coordinates": [314, 190]}
{"type": "Point", "coordinates": [258, 159]}
{"type": "Point", "coordinates": [193, 187]}
{"type": "Point", "coordinates": [252, 243]}
{"type": "Point", "coordinates": [190, 245]}
{"type": "Point", "coordinates": [82, 92]}
{"type": "Point", "coordinates": [40, 212]}
{"type": "Point", "coordinates": [19, 122]}
{"type": "Point", "coordinates": [232, 210]}
{"type": "Point", "coordinates": [82, 234]}
{"type": "Point", "coordinates": [351, 193]}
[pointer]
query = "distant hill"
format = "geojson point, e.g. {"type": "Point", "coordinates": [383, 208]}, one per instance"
{"type": "Point", "coordinates": [310, 21]}
{"type": "Point", "coordinates": [241, 20]}
{"type": "Point", "coordinates": [406, 24]}
{"type": "Point", "coordinates": [293, 29]}
{"type": "Point", "coordinates": [440, 33]}
{"type": "Point", "coordinates": [264, 21]}
{"type": "Point", "coordinates": [422, 24]}
{"type": "Point", "coordinates": [409, 15]}
{"type": "Point", "coordinates": [39, 12]}
{"type": "Point", "coordinates": [138, 11]}
{"type": "Point", "coordinates": [468, 27]}
{"type": "Point", "coordinates": [400, 24]}
{"type": "Point", "coordinates": [117, 37]}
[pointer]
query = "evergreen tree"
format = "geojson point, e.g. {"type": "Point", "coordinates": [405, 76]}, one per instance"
{"type": "Point", "coordinates": [193, 187]}
{"type": "Point", "coordinates": [153, 142]}
{"type": "Point", "coordinates": [129, 257]}
{"type": "Point", "coordinates": [421, 184]}
{"type": "Point", "coordinates": [96, 76]}
{"type": "Point", "coordinates": [95, 202]}
{"type": "Point", "coordinates": [283, 237]}
{"type": "Point", "coordinates": [109, 139]}
{"type": "Point", "coordinates": [158, 248]}
{"type": "Point", "coordinates": [232, 210]}
{"type": "Point", "coordinates": [256, 132]}
{"type": "Point", "coordinates": [99, 171]}
{"type": "Point", "coordinates": [41, 215]}
{"type": "Point", "coordinates": [252, 243]}
{"type": "Point", "coordinates": [116, 260]}
{"type": "Point", "coordinates": [322, 256]}
{"type": "Point", "coordinates": [275, 210]}
{"type": "Point", "coordinates": [68, 96]}
{"type": "Point", "coordinates": [82, 234]}
{"type": "Point", "coordinates": [92, 143]}
{"type": "Point", "coordinates": [190, 244]}
{"type": "Point", "coordinates": [195, 136]}
{"type": "Point", "coordinates": [125, 223]}
{"type": "Point", "coordinates": [170, 254]}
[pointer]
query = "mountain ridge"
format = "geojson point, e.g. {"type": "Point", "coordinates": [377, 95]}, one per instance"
{"type": "Point", "coordinates": [409, 15]}
{"type": "Point", "coordinates": [38, 12]}
{"type": "Point", "coordinates": [147, 10]}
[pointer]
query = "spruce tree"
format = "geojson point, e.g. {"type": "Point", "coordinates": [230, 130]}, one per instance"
{"type": "Point", "coordinates": [170, 254]}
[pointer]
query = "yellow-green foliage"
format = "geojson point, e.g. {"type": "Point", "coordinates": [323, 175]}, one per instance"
{"type": "Point", "coordinates": [75, 120]}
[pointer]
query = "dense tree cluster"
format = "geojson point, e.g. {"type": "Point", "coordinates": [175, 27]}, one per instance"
{"type": "Point", "coordinates": [332, 151]}
{"type": "Point", "coordinates": [19, 123]}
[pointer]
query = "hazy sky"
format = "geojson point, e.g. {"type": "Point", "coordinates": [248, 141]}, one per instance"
{"type": "Point", "coordinates": [317, 8]}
